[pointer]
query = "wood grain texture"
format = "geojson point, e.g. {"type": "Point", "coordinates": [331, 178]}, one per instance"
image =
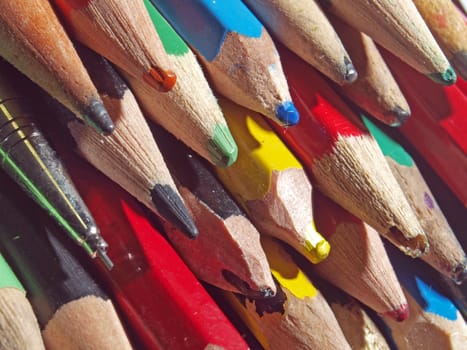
{"type": "Point", "coordinates": [121, 31]}
{"type": "Point", "coordinates": [129, 156]}
{"type": "Point", "coordinates": [297, 317]}
{"type": "Point", "coordinates": [34, 41]}
{"type": "Point", "coordinates": [163, 302]}
{"type": "Point", "coordinates": [246, 68]}
{"type": "Point", "coordinates": [62, 293]}
{"type": "Point", "coordinates": [376, 91]}
{"type": "Point", "coordinates": [449, 28]}
{"type": "Point", "coordinates": [446, 254]}
{"type": "Point", "coordinates": [434, 322]}
{"type": "Point", "coordinates": [345, 161]}
{"type": "Point", "coordinates": [303, 28]}
{"type": "Point", "coordinates": [270, 184]}
{"type": "Point", "coordinates": [398, 26]}
{"type": "Point", "coordinates": [357, 263]}
{"type": "Point", "coordinates": [189, 111]}
{"type": "Point", "coordinates": [18, 324]}
{"type": "Point", "coordinates": [227, 253]}
{"type": "Point", "coordinates": [438, 115]}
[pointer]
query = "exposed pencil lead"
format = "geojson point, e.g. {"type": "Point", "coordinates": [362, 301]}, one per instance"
{"type": "Point", "coordinates": [98, 117]}
{"type": "Point", "coordinates": [287, 113]}
{"type": "Point", "coordinates": [351, 73]}
{"type": "Point", "coordinates": [170, 205]}
{"type": "Point", "coordinates": [401, 116]}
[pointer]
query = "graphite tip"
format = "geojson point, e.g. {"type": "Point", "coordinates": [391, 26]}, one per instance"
{"type": "Point", "coordinates": [287, 114]}
{"type": "Point", "coordinates": [170, 206]}
{"type": "Point", "coordinates": [350, 74]}
{"type": "Point", "coordinates": [222, 147]}
{"type": "Point", "coordinates": [98, 117]}
{"type": "Point", "coordinates": [400, 116]}
{"type": "Point", "coordinates": [448, 77]}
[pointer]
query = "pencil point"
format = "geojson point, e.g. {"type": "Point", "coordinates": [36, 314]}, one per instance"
{"type": "Point", "coordinates": [459, 60]}
{"type": "Point", "coordinates": [287, 113]}
{"type": "Point", "coordinates": [401, 116]}
{"type": "Point", "coordinates": [317, 248]}
{"type": "Point", "coordinates": [169, 205]}
{"type": "Point", "coordinates": [460, 273]}
{"type": "Point", "coordinates": [222, 147]}
{"type": "Point", "coordinates": [448, 77]}
{"type": "Point", "coordinates": [162, 80]}
{"type": "Point", "coordinates": [351, 73]}
{"type": "Point", "coordinates": [400, 314]}
{"type": "Point", "coordinates": [98, 117]}
{"type": "Point", "coordinates": [245, 289]}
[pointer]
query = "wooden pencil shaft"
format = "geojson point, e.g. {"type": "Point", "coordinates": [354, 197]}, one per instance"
{"type": "Point", "coordinates": [398, 26]}
{"type": "Point", "coordinates": [150, 281]}
{"type": "Point", "coordinates": [121, 31]}
{"type": "Point", "coordinates": [303, 28]}
{"type": "Point", "coordinates": [31, 35]}
{"type": "Point", "coordinates": [228, 253]}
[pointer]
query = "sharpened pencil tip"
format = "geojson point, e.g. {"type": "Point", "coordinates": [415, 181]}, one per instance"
{"type": "Point", "coordinates": [268, 293]}
{"type": "Point", "coordinates": [287, 114]}
{"type": "Point", "coordinates": [316, 246]}
{"type": "Point", "coordinates": [170, 206]}
{"type": "Point", "coordinates": [222, 147]}
{"type": "Point", "coordinates": [459, 60]}
{"type": "Point", "coordinates": [351, 73]}
{"type": "Point", "coordinates": [401, 115]}
{"type": "Point", "coordinates": [460, 273]}
{"type": "Point", "coordinates": [400, 314]}
{"type": "Point", "coordinates": [448, 77]}
{"type": "Point", "coordinates": [98, 117]}
{"type": "Point", "coordinates": [244, 288]}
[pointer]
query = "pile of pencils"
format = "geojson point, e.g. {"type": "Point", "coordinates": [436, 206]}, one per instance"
{"type": "Point", "coordinates": [271, 174]}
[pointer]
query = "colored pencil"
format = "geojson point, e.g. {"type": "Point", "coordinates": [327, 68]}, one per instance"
{"type": "Point", "coordinates": [121, 31]}
{"type": "Point", "coordinates": [434, 322]}
{"type": "Point", "coordinates": [359, 329]}
{"type": "Point", "coordinates": [303, 28]}
{"type": "Point", "coordinates": [270, 184]}
{"type": "Point", "coordinates": [446, 254]}
{"type": "Point", "coordinates": [27, 157]}
{"type": "Point", "coordinates": [18, 324]}
{"type": "Point", "coordinates": [189, 111]}
{"type": "Point", "coordinates": [438, 115]}
{"type": "Point", "coordinates": [449, 28]}
{"type": "Point", "coordinates": [345, 162]}
{"type": "Point", "coordinates": [227, 253]}
{"type": "Point", "coordinates": [129, 156]}
{"type": "Point", "coordinates": [72, 310]}
{"type": "Point", "coordinates": [357, 263]}
{"type": "Point", "coordinates": [399, 27]}
{"type": "Point", "coordinates": [162, 301]}
{"type": "Point", "coordinates": [298, 317]}
{"type": "Point", "coordinates": [376, 90]}
{"type": "Point", "coordinates": [237, 53]}
{"type": "Point", "coordinates": [34, 41]}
